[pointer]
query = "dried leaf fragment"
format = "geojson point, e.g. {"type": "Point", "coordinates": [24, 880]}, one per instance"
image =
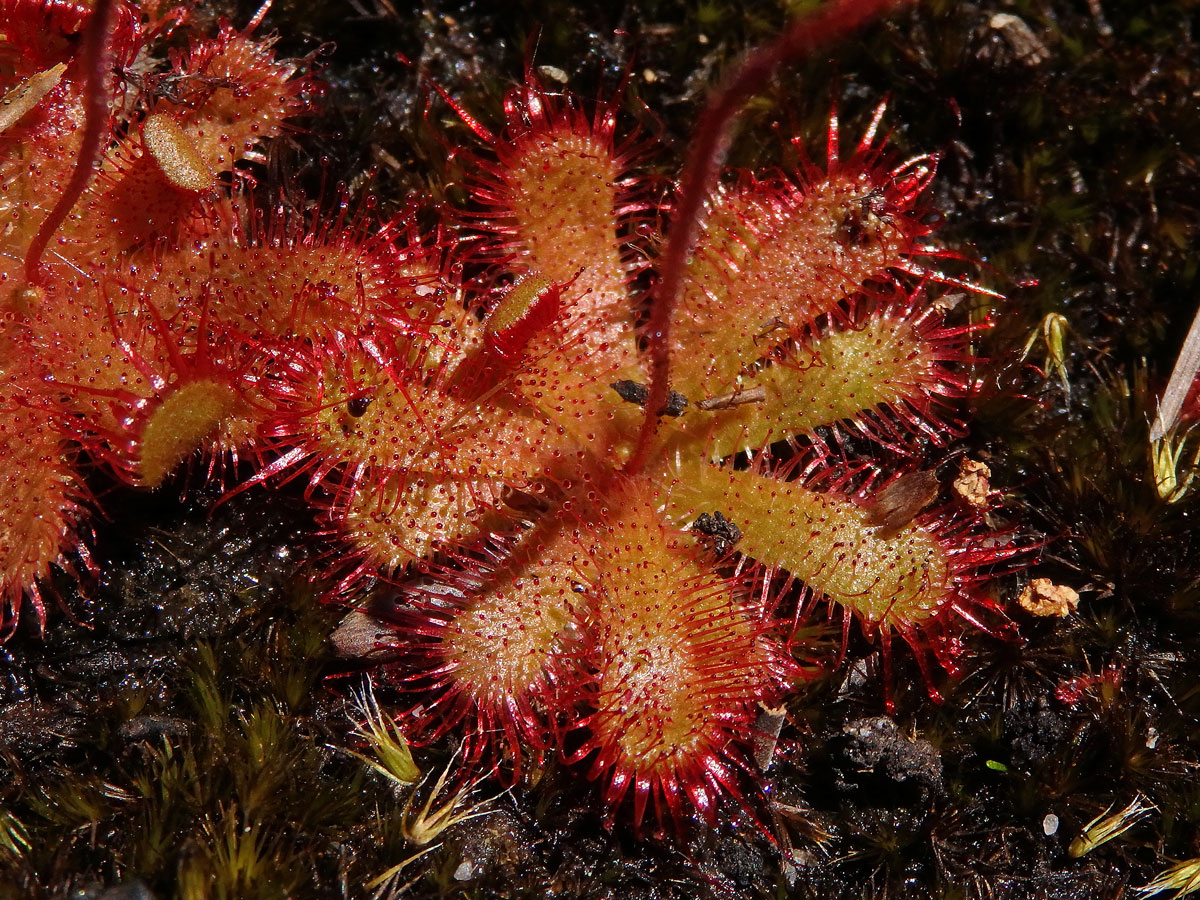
{"type": "Point", "coordinates": [1187, 364]}
{"type": "Point", "coordinates": [972, 483]}
{"type": "Point", "coordinates": [1042, 597]}
{"type": "Point", "coordinates": [766, 733]}
{"type": "Point", "coordinates": [26, 95]}
{"type": "Point", "coordinates": [1019, 42]}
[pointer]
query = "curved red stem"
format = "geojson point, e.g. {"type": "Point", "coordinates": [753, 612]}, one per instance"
{"type": "Point", "coordinates": [704, 160]}
{"type": "Point", "coordinates": [96, 57]}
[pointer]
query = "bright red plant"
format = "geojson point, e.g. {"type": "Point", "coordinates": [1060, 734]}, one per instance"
{"type": "Point", "coordinates": [602, 535]}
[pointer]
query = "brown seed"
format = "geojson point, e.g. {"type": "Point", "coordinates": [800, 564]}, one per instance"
{"type": "Point", "coordinates": [898, 503]}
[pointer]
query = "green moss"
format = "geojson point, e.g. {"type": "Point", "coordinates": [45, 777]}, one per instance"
{"type": "Point", "coordinates": [243, 800]}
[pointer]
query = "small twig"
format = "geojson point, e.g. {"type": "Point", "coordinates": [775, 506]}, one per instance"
{"type": "Point", "coordinates": [756, 394]}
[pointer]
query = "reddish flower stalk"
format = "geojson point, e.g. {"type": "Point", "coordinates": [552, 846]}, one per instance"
{"type": "Point", "coordinates": [703, 164]}
{"type": "Point", "coordinates": [96, 54]}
